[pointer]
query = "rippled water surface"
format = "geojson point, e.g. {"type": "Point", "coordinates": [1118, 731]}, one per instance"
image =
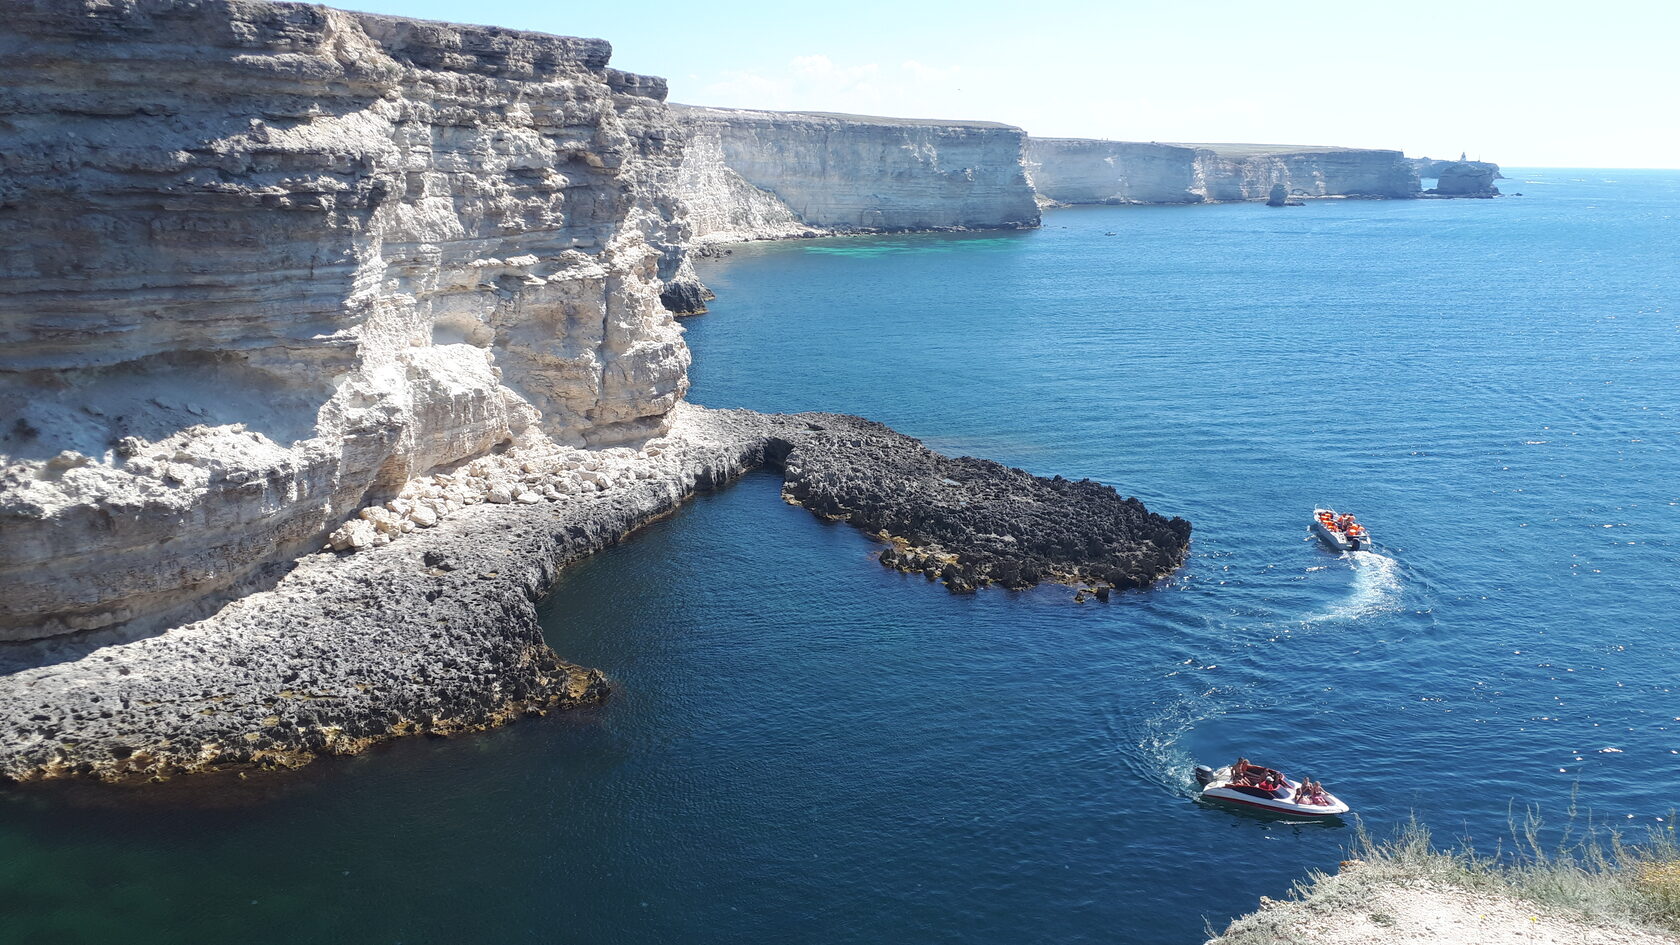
{"type": "Point", "coordinates": [809, 748]}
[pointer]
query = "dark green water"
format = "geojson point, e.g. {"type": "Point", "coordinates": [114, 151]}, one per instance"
{"type": "Point", "coordinates": [806, 747]}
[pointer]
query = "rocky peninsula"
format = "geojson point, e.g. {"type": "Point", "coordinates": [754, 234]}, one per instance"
{"type": "Point", "coordinates": [331, 337]}
{"type": "Point", "coordinates": [434, 630]}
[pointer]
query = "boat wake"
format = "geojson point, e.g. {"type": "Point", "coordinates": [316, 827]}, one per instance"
{"type": "Point", "coordinates": [1376, 589]}
{"type": "Point", "coordinates": [1158, 757]}
{"type": "Point", "coordinates": [1240, 672]}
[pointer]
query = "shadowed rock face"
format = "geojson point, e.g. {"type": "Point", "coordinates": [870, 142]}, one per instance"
{"type": "Point", "coordinates": [436, 632]}
{"type": "Point", "coordinates": [259, 261]}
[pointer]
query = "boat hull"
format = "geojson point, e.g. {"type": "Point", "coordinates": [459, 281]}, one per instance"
{"type": "Point", "coordinates": [1335, 540]}
{"type": "Point", "coordinates": [1220, 790]}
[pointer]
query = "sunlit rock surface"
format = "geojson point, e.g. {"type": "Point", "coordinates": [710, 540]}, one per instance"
{"type": "Point", "coordinates": [768, 175]}
{"type": "Point", "coordinates": [425, 620]}
{"type": "Point", "coordinates": [1084, 170]}
{"type": "Point", "coordinates": [261, 263]}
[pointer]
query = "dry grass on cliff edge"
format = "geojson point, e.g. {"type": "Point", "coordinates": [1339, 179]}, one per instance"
{"type": "Point", "coordinates": [1595, 873]}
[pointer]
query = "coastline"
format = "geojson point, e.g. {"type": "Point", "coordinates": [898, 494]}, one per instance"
{"type": "Point", "coordinates": [435, 631]}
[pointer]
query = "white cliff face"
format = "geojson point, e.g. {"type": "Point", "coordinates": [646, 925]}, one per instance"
{"type": "Point", "coordinates": [1080, 170]}
{"type": "Point", "coordinates": [722, 206]}
{"type": "Point", "coordinates": [767, 175]}
{"type": "Point", "coordinates": [261, 264]}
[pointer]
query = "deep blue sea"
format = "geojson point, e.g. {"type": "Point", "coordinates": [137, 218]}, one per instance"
{"type": "Point", "coordinates": [806, 747]}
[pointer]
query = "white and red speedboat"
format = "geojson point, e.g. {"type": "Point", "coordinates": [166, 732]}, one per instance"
{"type": "Point", "coordinates": [1341, 532]}
{"type": "Point", "coordinates": [1266, 789]}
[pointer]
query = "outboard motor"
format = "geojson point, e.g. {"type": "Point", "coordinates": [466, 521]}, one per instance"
{"type": "Point", "coordinates": [1204, 774]}
{"type": "Point", "coordinates": [1354, 544]}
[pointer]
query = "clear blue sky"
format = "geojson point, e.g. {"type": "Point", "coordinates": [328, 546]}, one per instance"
{"type": "Point", "coordinates": [1525, 84]}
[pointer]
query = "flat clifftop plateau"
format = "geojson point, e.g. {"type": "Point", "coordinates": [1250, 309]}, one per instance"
{"type": "Point", "coordinates": [1431, 168]}
{"type": "Point", "coordinates": [844, 118]}
{"type": "Point", "coordinates": [1082, 170]}
{"type": "Point", "coordinates": [768, 175]}
{"type": "Point", "coordinates": [435, 630]}
{"type": "Point", "coordinates": [262, 261]}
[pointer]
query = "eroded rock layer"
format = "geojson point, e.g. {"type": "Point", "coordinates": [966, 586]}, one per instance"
{"type": "Point", "coordinates": [769, 175]}
{"type": "Point", "coordinates": [435, 631]}
{"type": "Point", "coordinates": [262, 261]}
{"type": "Point", "coordinates": [1083, 170]}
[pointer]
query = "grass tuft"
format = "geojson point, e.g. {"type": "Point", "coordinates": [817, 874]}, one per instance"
{"type": "Point", "coordinates": [1592, 871]}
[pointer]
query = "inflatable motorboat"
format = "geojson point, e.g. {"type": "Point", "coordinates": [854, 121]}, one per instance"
{"type": "Point", "coordinates": [1340, 532]}
{"type": "Point", "coordinates": [1266, 789]}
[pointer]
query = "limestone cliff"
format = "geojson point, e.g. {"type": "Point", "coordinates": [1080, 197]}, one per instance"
{"type": "Point", "coordinates": [1081, 170]}
{"type": "Point", "coordinates": [261, 262]}
{"type": "Point", "coordinates": [1431, 168]}
{"type": "Point", "coordinates": [1466, 179]}
{"type": "Point", "coordinates": [767, 175]}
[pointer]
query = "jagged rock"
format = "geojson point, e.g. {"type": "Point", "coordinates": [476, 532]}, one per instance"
{"type": "Point", "coordinates": [354, 535]}
{"type": "Point", "coordinates": [304, 255]}
{"type": "Point", "coordinates": [684, 293]}
{"type": "Point", "coordinates": [986, 522]}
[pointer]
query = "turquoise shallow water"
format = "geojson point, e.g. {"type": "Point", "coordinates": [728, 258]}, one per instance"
{"type": "Point", "coordinates": [807, 747]}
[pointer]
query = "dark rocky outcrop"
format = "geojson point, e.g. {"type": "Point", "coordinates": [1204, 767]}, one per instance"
{"type": "Point", "coordinates": [686, 295]}
{"type": "Point", "coordinates": [975, 522]}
